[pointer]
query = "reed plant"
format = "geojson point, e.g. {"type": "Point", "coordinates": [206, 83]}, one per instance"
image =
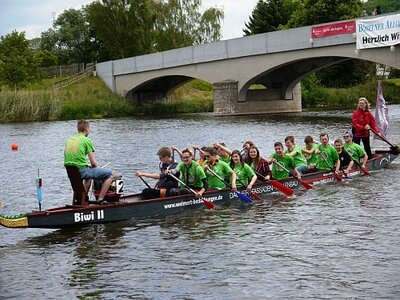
{"type": "Point", "coordinates": [28, 106]}
{"type": "Point", "coordinates": [92, 99]}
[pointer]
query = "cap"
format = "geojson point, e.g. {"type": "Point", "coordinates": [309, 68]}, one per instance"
{"type": "Point", "coordinates": [349, 133]}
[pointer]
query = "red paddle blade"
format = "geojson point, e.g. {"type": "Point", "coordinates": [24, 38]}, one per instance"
{"type": "Point", "coordinates": [338, 177]}
{"type": "Point", "coordinates": [282, 188]}
{"type": "Point", "coordinates": [306, 185]}
{"type": "Point", "coordinates": [255, 196]}
{"type": "Point", "coordinates": [364, 170]}
{"type": "Point", "coordinates": [209, 204]}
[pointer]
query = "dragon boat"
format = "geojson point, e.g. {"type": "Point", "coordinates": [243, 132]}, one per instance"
{"type": "Point", "coordinates": [122, 207]}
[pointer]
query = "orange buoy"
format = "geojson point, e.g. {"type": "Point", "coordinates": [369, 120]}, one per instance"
{"type": "Point", "coordinates": [14, 147]}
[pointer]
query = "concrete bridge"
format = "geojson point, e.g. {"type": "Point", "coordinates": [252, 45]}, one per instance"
{"type": "Point", "coordinates": [276, 60]}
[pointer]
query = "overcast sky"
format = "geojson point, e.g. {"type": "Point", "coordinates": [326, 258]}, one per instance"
{"type": "Point", "coordinates": [35, 16]}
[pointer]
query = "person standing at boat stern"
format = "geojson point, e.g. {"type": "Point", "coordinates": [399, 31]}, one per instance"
{"type": "Point", "coordinates": [362, 122]}
{"type": "Point", "coordinates": [192, 174]}
{"type": "Point", "coordinates": [76, 149]}
{"type": "Point", "coordinates": [164, 182]}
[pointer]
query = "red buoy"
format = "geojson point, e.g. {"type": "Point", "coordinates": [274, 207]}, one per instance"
{"type": "Point", "coordinates": [14, 147]}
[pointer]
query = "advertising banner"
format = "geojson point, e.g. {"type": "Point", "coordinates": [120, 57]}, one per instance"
{"type": "Point", "coordinates": [378, 32]}
{"type": "Point", "coordinates": [321, 31]}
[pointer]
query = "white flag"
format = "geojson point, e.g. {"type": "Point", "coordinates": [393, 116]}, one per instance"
{"type": "Point", "coordinates": [381, 112]}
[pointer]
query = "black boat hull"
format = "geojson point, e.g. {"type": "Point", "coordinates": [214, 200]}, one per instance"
{"type": "Point", "coordinates": [133, 207]}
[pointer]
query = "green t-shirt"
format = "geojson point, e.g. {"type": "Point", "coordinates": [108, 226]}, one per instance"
{"type": "Point", "coordinates": [312, 158]}
{"type": "Point", "coordinates": [244, 174]}
{"type": "Point", "coordinates": [223, 170]}
{"type": "Point", "coordinates": [299, 159]}
{"type": "Point", "coordinates": [76, 149]}
{"type": "Point", "coordinates": [226, 158]}
{"type": "Point", "coordinates": [331, 156]}
{"type": "Point", "coordinates": [192, 175]}
{"type": "Point", "coordinates": [277, 171]}
{"type": "Point", "coordinates": [355, 150]}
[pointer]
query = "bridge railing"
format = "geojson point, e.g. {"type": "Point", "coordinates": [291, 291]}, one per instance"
{"type": "Point", "coordinates": [74, 78]}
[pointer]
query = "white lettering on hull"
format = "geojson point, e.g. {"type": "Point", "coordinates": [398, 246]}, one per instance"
{"type": "Point", "coordinates": [193, 202]}
{"type": "Point", "coordinates": [90, 216]}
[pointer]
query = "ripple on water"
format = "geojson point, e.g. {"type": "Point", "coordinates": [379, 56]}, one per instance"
{"type": "Point", "coordinates": [339, 241]}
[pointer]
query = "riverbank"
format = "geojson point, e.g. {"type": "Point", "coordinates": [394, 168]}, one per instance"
{"type": "Point", "coordinates": [92, 99]}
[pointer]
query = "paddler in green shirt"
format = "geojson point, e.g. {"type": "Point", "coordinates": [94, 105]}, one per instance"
{"type": "Point", "coordinates": [244, 173]}
{"type": "Point", "coordinates": [294, 151]}
{"type": "Point", "coordinates": [223, 152]}
{"type": "Point", "coordinates": [221, 168]}
{"type": "Point", "coordinates": [355, 150]}
{"type": "Point", "coordinates": [328, 158]}
{"type": "Point", "coordinates": [309, 153]}
{"type": "Point", "coordinates": [192, 174]}
{"type": "Point", "coordinates": [282, 163]}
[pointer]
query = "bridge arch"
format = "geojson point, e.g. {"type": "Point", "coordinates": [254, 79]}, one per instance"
{"type": "Point", "coordinates": [277, 60]}
{"type": "Point", "coordinates": [156, 89]}
{"type": "Point", "coordinates": [280, 81]}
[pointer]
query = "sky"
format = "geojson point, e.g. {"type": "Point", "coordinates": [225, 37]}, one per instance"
{"type": "Point", "coordinates": [36, 16]}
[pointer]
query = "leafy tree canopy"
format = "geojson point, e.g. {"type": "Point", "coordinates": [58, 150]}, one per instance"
{"type": "Point", "coordinates": [179, 23]}
{"type": "Point", "coordinates": [312, 12]}
{"type": "Point", "coordinates": [387, 6]}
{"type": "Point", "coordinates": [269, 16]}
{"type": "Point", "coordinates": [18, 65]}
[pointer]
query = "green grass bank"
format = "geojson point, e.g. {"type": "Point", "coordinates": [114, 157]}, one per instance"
{"type": "Point", "coordinates": [92, 99]}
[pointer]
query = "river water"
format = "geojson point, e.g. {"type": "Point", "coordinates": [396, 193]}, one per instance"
{"type": "Point", "coordinates": [339, 241]}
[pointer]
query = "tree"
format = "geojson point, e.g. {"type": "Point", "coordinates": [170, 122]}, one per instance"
{"type": "Point", "coordinates": [75, 36]}
{"type": "Point", "coordinates": [17, 61]}
{"type": "Point", "coordinates": [72, 38]}
{"type": "Point", "coordinates": [312, 12]}
{"type": "Point", "coordinates": [269, 16]}
{"type": "Point", "coordinates": [135, 27]}
{"type": "Point", "coordinates": [387, 6]}
{"type": "Point", "coordinates": [45, 58]}
{"type": "Point", "coordinates": [126, 27]}
{"type": "Point", "coordinates": [179, 23]}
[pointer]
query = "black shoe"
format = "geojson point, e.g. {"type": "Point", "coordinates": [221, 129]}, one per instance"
{"type": "Point", "coordinates": [103, 202]}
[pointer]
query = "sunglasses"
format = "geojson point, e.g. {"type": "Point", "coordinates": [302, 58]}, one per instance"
{"type": "Point", "coordinates": [207, 156]}
{"type": "Point", "coordinates": [185, 157]}
{"type": "Point", "coordinates": [346, 136]}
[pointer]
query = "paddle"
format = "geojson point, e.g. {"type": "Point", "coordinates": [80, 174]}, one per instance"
{"type": "Point", "coordinates": [393, 148]}
{"type": "Point", "coordinates": [207, 203]}
{"type": "Point", "coordinates": [241, 196]}
{"type": "Point", "coordinates": [251, 193]}
{"type": "Point", "coordinates": [279, 186]}
{"type": "Point", "coordinates": [39, 183]}
{"type": "Point", "coordinates": [337, 176]}
{"type": "Point", "coordinates": [357, 163]}
{"type": "Point", "coordinates": [303, 183]}
{"type": "Point", "coordinates": [144, 181]}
